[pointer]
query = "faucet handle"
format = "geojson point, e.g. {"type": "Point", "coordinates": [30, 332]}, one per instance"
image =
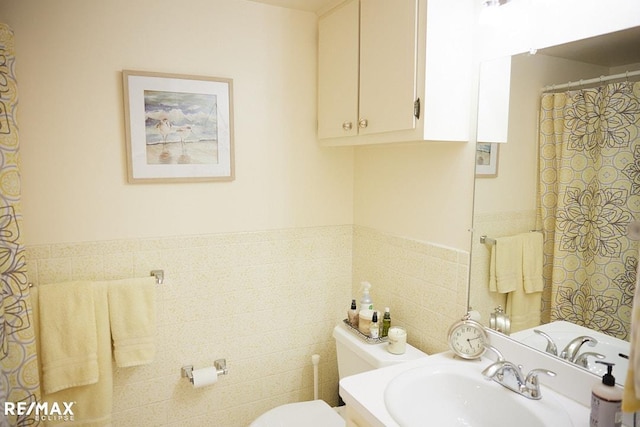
{"type": "Point", "coordinates": [532, 383]}
{"type": "Point", "coordinates": [551, 346]}
{"type": "Point", "coordinates": [496, 351]}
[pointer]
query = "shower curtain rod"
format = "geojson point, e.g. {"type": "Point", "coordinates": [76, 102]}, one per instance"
{"type": "Point", "coordinates": [600, 79]}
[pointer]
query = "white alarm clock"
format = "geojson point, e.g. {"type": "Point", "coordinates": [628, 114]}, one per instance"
{"type": "Point", "coordinates": [467, 338]}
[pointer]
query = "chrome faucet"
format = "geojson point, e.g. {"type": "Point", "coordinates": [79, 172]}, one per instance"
{"type": "Point", "coordinates": [582, 360]}
{"type": "Point", "coordinates": [570, 352]}
{"type": "Point", "coordinates": [551, 346]}
{"type": "Point", "coordinates": [510, 375]}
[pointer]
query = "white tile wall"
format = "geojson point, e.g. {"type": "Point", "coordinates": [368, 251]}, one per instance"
{"type": "Point", "coordinates": [266, 301]}
{"type": "Point", "coordinates": [424, 285]}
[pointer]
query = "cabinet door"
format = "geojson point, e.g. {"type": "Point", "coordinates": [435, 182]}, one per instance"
{"type": "Point", "coordinates": [338, 33]}
{"type": "Point", "coordinates": [388, 51]}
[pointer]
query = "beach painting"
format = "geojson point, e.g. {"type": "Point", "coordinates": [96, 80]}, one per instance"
{"type": "Point", "coordinates": [179, 128]}
{"type": "Point", "coordinates": [486, 160]}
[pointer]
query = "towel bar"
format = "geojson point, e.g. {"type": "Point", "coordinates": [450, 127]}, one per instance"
{"type": "Point", "coordinates": [159, 275]}
{"type": "Point", "coordinates": [487, 240]}
{"type": "Point", "coordinates": [491, 241]}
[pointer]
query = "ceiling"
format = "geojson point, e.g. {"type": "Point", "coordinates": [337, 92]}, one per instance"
{"type": "Point", "coordinates": [610, 50]}
{"type": "Point", "coordinates": [614, 49]}
{"type": "Point", "coordinates": [317, 6]}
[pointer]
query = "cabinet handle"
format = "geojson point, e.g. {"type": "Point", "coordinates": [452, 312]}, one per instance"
{"type": "Point", "coordinates": [347, 125]}
{"type": "Point", "coordinates": [363, 123]}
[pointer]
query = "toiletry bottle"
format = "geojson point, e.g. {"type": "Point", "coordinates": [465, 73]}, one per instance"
{"type": "Point", "coordinates": [606, 401]}
{"type": "Point", "coordinates": [365, 302]}
{"type": "Point", "coordinates": [374, 329]}
{"type": "Point", "coordinates": [386, 323]}
{"type": "Point", "coordinates": [352, 314]}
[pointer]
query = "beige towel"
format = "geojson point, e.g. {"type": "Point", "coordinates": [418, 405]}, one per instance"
{"type": "Point", "coordinates": [524, 309]}
{"type": "Point", "coordinates": [532, 254]}
{"type": "Point", "coordinates": [91, 404]}
{"type": "Point", "coordinates": [505, 268]}
{"type": "Point", "coordinates": [631, 395]}
{"type": "Point", "coordinates": [68, 336]}
{"type": "Point", "coordinates": [132, 315]}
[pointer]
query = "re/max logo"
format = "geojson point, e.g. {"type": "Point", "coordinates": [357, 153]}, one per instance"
{"type": "Point", "coordinates": [44, 409]}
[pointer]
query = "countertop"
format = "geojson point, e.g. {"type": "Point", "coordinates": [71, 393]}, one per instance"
{"type": "Point", "coordinates": [364, 392]}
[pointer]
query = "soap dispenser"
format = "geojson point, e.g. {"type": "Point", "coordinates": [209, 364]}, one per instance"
{"type": "Point", "coordinates": [374, 329]}
{"type": "Point", "coordinates": [606, 401]}
{"type": "Point", "coordinates": [365, 302]}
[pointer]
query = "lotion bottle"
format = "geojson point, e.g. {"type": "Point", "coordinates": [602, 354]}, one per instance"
{"type": "Point", "coordinates": [352, 314]}
{"type": "Point", "coordinates": [374, 329]}
{"type": "Point", "coordinates": [386, 323]}
{"type": "Point", "coordinates": [606, 401]}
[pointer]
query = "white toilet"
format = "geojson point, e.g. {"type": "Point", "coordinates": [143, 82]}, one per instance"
{"type": "Point", "coordinates": [354, 356]}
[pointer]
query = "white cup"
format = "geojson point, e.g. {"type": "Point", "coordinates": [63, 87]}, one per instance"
{"type": "Point", "coordinates": [397, 340]}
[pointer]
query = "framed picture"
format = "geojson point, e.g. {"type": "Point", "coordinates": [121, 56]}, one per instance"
{"type": "Point", "coordinates": [178, 128]}
{"type": "Point", "coordinates": [487, 159]}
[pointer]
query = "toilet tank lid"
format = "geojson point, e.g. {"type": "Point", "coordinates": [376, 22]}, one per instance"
{"type": "Point", "coordinates": [376, 354]}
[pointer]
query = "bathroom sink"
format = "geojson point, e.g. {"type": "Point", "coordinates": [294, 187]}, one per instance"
{"type": "Point", "coordinates": [456, 394]}
{"type": "Point", "coordinates": [561, 332]}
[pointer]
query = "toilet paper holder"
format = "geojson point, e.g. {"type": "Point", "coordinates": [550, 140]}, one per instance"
{"type": "Point", "coordinates": [220, 365]}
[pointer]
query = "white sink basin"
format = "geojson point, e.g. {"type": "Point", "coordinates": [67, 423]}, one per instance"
{"type": "Point", "coordinates": [456, 394]}
{"type": "Point", "coordinates": [563, 332]}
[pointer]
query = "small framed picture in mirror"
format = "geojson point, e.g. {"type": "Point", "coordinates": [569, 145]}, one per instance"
{"type": "Point", "coordinates": [487, 159]}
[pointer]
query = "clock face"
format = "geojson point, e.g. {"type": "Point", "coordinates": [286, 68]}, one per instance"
{"type": "Point", "coordinates": [467, 339]}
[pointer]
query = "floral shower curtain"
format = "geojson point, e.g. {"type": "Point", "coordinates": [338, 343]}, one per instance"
{"type": "Point", "coordinates": [19, 380]}
{"type": "Point", "coordinates": [589, 191]}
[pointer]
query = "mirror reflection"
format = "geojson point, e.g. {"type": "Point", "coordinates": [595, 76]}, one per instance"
{"type": "Point", "coordinates": [565, 189]}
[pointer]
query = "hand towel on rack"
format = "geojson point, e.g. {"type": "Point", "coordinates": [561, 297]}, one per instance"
{"type": "Point", "coordinates": [631, 394]}
{"type": "Point", "coordinates": [505, 268]}
{"type": "Point", "coordinates": [133, 323]}
{"type": "Point", "coordinates": [532, 253]}
{"type": "Point", "coordinates": [68, 336]}
{"type": "Point", "coordinates": [92, 403]}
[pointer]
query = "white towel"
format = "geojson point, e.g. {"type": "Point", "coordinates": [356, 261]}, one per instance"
{"type": "Point", "coordinates": [532, 256]}
{"type": "Point", "coordinates": [92, 403]}
{"type": "Point", "coordinates": [505, 270]}
{"type": "Point", "coordinates": [133, 321]}
{"type": "Point", "coordinates": [68, 336]}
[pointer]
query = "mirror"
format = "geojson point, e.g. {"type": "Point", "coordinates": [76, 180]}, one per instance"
{"type": "Point", "coordinates": [505, 202]}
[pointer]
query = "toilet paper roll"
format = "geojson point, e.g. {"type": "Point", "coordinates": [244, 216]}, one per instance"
{"type": "Point", "coordinates": [204, 377]}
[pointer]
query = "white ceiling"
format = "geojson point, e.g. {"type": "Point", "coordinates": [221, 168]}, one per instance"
{"type": "Point", "coordinates": [610, 50]}
{"type": "Point", "coordinates": [317, 6]}
{"type": "Point", "coordinates": [619, 48]}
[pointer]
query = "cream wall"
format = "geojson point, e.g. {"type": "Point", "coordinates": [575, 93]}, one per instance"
{"type": "Point", "coordinates": [260, 269]}
{"type": "Point", "coordinates": [70, 57]}
{"type": "Point", "coordinates": [423, 191]}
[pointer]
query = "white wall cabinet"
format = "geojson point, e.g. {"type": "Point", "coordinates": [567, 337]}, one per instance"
{"type": "Point", "coordinates": [377, 59]}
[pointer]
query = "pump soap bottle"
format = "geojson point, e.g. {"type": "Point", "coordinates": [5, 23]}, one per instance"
{"type": "Point", "coordinates": [365, 302]}
{"type": "Point", "coordinates": [352, 314]}
{"type": "Point", "coordinates": [606, 401]}
{"type": "Point", "coordinates": [374, 329]}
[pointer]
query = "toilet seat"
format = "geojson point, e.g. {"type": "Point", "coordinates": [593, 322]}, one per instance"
{"type": "Point", "coordinates": [314, 413]}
